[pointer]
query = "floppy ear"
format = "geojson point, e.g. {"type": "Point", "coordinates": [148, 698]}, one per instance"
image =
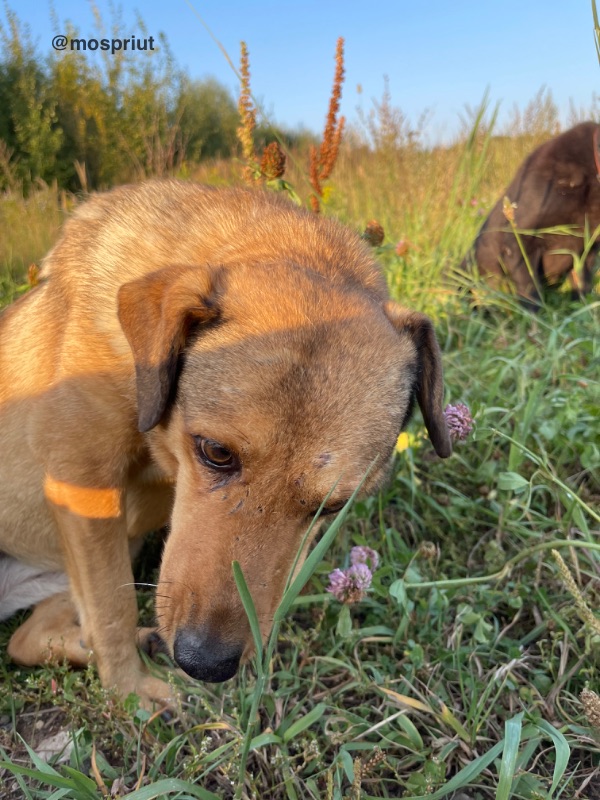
{"type": "Point", "coordinates": [430, 387]}
{"type": "Point", "coordinates": [157, 313]}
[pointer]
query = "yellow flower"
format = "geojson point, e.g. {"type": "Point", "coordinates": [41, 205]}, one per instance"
{"type": "Point", "coordinates": [327, 194]}
{"type": "Point", "coordinates": [403, 442]}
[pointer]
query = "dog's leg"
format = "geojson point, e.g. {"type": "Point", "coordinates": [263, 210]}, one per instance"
{"type": "Point", "coordinates": [51, 633]}
{"type": "Point", "coordinates": [98, 564]}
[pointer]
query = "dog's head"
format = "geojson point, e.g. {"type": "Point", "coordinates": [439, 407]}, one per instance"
{"type": "Point", "coordinates": [262, 387]}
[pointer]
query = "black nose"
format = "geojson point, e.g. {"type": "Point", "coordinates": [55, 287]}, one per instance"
{"type": "Point", "coordinates": [205, 657]}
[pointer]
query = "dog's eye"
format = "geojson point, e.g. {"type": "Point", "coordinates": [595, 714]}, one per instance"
{"type": "Point", "coordinates": [333, 509]}
{"type": "Point", "coordinates": [215, 455]}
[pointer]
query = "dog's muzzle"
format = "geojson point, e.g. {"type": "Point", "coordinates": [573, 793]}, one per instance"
{"type": "Point", "coordinates": [205, 657]}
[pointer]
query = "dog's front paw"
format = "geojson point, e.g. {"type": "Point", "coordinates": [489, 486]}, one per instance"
{"type": "Point", "coordinates": [150, 642]}
{"type": "Point", "coordinates": [153, 693]}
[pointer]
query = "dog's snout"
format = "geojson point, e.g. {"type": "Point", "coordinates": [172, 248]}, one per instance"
{"type": "Point", "coordinates": [204, 656]}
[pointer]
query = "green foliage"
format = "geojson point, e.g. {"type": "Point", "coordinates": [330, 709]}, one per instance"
{"type": "Point", "coordinates": [208, 120]}
{"type": "Point", "coordinates": [28, 107]}
{"type": "Point", "coordinates": [89, 122]}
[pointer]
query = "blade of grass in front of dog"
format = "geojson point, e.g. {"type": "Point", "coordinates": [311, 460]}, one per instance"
{"type": "Point", "coordinates": [86, 788]}
{"type": "Point", "coordinates": [304, 722]}
{"type": "Point", "coordinates": [311, 562]}
{"type": "Point", "coordinates": [300, 550]}
{"type": "Point", "coordinates": [290, 594]}
{"type": "Point", "coordinates": [169, 786]}
{"type": "Point", "coordinates": [518, 234]}
{"type": "Point", "coordinates": [562, 750]}
{"type": "Point", "coordinates": [26, 793]}
{"type": "Point", "coordinates": [81, 783]}
{"type": "Point", "coordinates": [250, 609]}
{"type": "Point", "coordinates": [512, 739]}
{"type": "Point", "coordinates": [47, 778]}
{"type": "Point", "coordinates": [316, 555]}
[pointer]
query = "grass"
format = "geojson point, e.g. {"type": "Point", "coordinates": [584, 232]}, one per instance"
{"type": "Point", "coordinates": [460, 673]}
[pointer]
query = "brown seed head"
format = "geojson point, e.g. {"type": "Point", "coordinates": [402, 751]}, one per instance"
{"type": "Point", "coordinates": [374, 233]}
{"type": "Point", "coordinates": [245, 132]}
{"type": "Point", "coordinates": [333, 130]}
{"type": "Point", "coordinates": [272, 163]}
{"type": "Point", "coordinates": [591, 705]}
{"type": "Point", "coordinates": [377, 756]}
{"type": "Point", "coordinates": [321, 164]}
{"type": "Point", "coordinates": [585, 612]}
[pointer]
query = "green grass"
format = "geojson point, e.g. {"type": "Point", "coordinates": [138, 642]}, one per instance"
{"type": "Point", "coordinates": [461, 671]}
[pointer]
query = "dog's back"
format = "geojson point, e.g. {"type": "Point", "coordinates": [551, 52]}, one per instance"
{"type": "Point", "coordinates": [140, 228]}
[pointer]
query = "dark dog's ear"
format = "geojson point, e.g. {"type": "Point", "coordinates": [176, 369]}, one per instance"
{"type": "Point", "coordinates": [157, 313]}
{"type": "Point", "coordinates": [430, 387]}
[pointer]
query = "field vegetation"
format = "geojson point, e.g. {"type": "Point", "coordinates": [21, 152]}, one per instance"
{"type": "Point", "coordinates": [470, 669]}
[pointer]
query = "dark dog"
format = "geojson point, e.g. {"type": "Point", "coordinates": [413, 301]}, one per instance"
{"type": "Point", "coordinates": [557, 185]}
{"type": "Point", "coordinates": [216, 358]}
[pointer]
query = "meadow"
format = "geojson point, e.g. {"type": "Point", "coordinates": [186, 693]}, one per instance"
{"type": "Point", "coordinates": [469, 669]}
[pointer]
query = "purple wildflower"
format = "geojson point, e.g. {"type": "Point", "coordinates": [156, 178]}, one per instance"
{"type": "Point", "coordinates": [350, 585]}
{"type": "Point", "coordinates": [360, 576]}
{"type": "Point", "coordinates": [459, 421]}
{"type": "Point", "coordinates": [338, 582]}
{"type": "Point", "coordinates": [364, 555]}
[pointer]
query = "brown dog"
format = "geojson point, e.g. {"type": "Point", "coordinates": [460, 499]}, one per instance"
{"type": "Point", "coordinates": [557, 185]}
{"type": "Point", "coordinates": [216, 358]}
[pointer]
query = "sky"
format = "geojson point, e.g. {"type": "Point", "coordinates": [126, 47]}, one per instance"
{"type": "Point", "coordinates": [439, 56]}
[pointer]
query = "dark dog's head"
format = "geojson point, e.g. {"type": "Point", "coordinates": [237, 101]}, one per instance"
{"type": "Point", "coordinates": [557, 185]}
{"type": "Point", "coordinates": [262, 387]}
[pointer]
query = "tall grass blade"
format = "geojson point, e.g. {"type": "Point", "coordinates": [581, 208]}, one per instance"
{"type": "Point", "coordinates": [316, 555]}
{"type": "Point", "coordinates": [47, 778]}
{"type": "Point", "coordinates": [169, 786]}
{"type": "Point", "coordinates": [304, 722]}
{"type": "Point", "coordinates": [249, 608]}
{"type": "Point", "coordinates": [512, 739]}
{"type": "Point", "coordinates": [562, 750]}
